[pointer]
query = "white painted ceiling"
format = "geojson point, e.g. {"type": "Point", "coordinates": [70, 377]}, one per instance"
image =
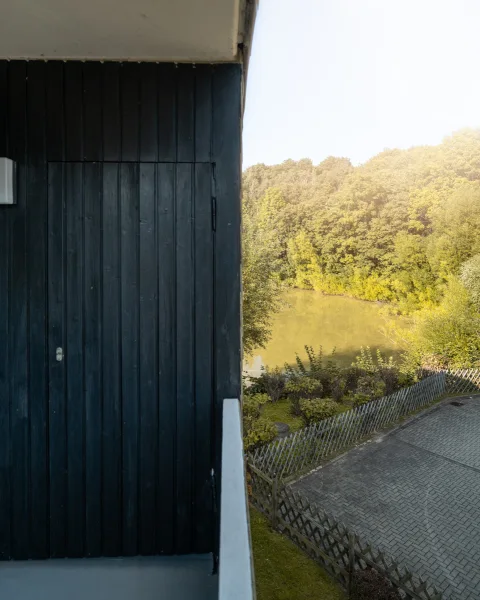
{"type": "Point", "coordinates": [160, 30]}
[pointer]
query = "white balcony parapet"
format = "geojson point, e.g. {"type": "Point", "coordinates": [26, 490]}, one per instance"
{"type": "Point", "coordinates": [235, 564]}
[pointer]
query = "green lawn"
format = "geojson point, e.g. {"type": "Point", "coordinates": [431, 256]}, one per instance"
{"type": "Point", "coordinates": [279, 412]}
{"type": "Point", "coordinates": [282, 571]}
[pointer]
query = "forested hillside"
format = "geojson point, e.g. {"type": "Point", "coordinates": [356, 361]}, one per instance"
{"type": "Point", "coordinates": [403, 228]}
{"type": "Point", "coordinates": [392, 229]}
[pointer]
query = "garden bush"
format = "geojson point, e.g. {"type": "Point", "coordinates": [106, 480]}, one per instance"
{"type": "Point", "coordinates": [324, 372]}
{"type": "Point", "coordinates": [351, 376]}
{"type": "Point", "coordinates": [258, 433]}
{"type": "Point", "coordinates": [302, 388]}
{"type": "Point", "coordinates": [338, 388]}
{"type": "Point", "coordinates": [313, 410]}
{"type": "Point", "coordinates": [252, 404]}
{"type": "Point", "coordinates": [359, 399]}
{"type": "Point", "coordinates": [371, 585]}
{"type": "Point", "coordinates": [391, 378]}
{"type": "Point", "coordinates": [371, 386]}
{"type": "Point", "coordinates": [270, 382]}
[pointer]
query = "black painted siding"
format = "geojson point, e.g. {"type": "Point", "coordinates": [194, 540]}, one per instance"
{"type": "Point", "coordinates": [114, 254]}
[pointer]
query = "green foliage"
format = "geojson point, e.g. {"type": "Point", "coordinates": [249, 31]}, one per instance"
{"type": "Point", "coordinates": [371, 386]}
{"type": "Point", "coordinates": [251, 410]}
{"type": "Point", "coordinates": [360, 398]}
{"type": "Point", "coordinates": [256, 431]}
{"type": "Point", "coordinates": [315, 409]}
{"type": "Point", "coordinates": [252, 404]}
{"type": "Point", "coordinates": [447, 336]}
{"type": "Point", "coordinates": [470, 277]}
{"type": "Point", "coordinates": [393, 229]}
{"type": "Point", "coordinates": [303, 387]}
{"type": "Point", "coordinates": [283, 571]}
{"type": "Point", "coordinates": [300, 387]}
{"type": "Point", "coordinates": [280, 412]}
{"type": "Point", "coordinates": [371, 585]}
{"type": "Point", "coordinates": [260, 432]}
{"type": "Point", "coordinates": [313, 368]}
{"type": "Point", "coordinates": [270, 382]}
{"type": "Point", "coordinates": [260, 284]}
{"type": "Point", "coordinates": [371, 364]}
{"type": "Point", "coordinates": [326, 372]}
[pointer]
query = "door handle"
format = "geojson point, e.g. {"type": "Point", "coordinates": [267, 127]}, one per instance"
{"type": "Point", "coordinates": [59, 354]}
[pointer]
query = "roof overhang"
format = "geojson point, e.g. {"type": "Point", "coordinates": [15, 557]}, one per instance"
{"type": "Point", "coordinates": [139, 30]}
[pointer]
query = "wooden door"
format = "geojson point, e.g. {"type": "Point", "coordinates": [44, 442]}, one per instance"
{"type": "Point", "coordinates": [130, 358]}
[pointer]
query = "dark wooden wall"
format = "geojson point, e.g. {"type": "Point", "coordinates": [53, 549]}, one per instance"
{"type": "Point", "coordinates": [124, 250]}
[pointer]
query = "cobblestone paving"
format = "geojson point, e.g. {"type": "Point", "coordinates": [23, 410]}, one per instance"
{"type": "Point", "coordinates": [415, 494]}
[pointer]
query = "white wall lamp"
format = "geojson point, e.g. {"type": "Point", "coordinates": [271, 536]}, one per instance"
{"type": "Point", "coordinates": [7, 181]}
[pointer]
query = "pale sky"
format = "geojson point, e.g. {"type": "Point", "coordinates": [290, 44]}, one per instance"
{"type": "Point", "coordinates": [353, 77]}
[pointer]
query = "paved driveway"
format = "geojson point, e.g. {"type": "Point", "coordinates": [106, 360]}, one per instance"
{"type": "Point", "coordinates": [416, 494]}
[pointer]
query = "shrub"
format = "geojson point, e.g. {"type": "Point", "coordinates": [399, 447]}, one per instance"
{"type": "Point", "coordinates": [351, 376]}
{"type": "Point", "coordinates": [270, 382]}
{"type": "Point", "coordinates": [470, 277]}
{"type": "Point", "coordinates": [391, 378]}
{"type": "Point", "coordinates": [371, 386]}
{"type": "Point", "coordinates": [302, 387]}
{"type": "Point", "coordinates": [371, 585]}
{"type": "Point", "coordinates": [406, 378]}
{"type": "Point", "coordinates": [252, 405]}
{"type": "Point", "coordinates": [371, 364]}
{"type": "Point", "coordinates": [315, 364]}
{"type": "Point", "coordinates": [258, 433]}
{"type": "Point", "coordinates": [359, 399]}
{"type": "Point", "coordinates": [315, 369]}
{"type": "Point", "coordinates": [338, 388]}
{"type": "Point", "coordinates": [316, 409]}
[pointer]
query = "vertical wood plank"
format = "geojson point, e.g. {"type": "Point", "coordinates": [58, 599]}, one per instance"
{"type": "Point", "coordinates": [166, 357]}
{"type": "Point", "coordinates": [129, 102]}
{"type": "Point", "coordinates": [227, 175]}
{"type": "Point", "coordinates": [56, 372]}
{"type": "Point", "coordinates": [148, 112]}
{"type": "Point", "coordinates": [112, 415]}
{"type": "Point", "coordinates": [19, 318]}
{"type": "Point", "coordinates": [186, 114]}
{"type": "Point", "coordinates": [73, 74]}
{"type": "Point", "coordinates": [227, 178]}
{"type": "Point", "coordinates": [112, 132]}
{"type": "Point", "coordinates": [203, 358]}
{"type": "Point", "coordinates": [3, 107]}
{"type": "Point", "coordinates": [148, 423]}
{"type": "Point", "coordinates": [92, 101]}
{"type": "Point", "coordinates": [55, 111]}
{"type": "Point", "coordinates": [93, 362]}
{"type": "Point", "coordinates": [167, 113]}
{"type": "Point", "coordinates": [130, 357]}
{"type": "Point", "coordinates": [5, 452]}
{"type": "Point", "coordinates": [37, 305]}
{"type": "Point", "coordinates": [74, 358]}
{"type": "Point", "coordinates": [185, 367]}
{"type": "Point", "coordinates": [203, 113]}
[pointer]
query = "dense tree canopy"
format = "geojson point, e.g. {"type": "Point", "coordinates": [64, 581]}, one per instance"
{"type": "Point", "coordinates": [403, 228]}
{"type": "Point", "coordinates": [394, 228]}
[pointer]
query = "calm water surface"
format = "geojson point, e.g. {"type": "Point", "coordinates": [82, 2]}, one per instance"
{"type": "Point", "coordinates": [331, 321]}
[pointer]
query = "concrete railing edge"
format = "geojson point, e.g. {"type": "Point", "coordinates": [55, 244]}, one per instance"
{"type": "Point", "coordinates": [235, 558]}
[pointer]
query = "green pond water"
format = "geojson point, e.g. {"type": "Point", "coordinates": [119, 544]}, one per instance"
{"type": "Point", "coordinates": [330, 321]}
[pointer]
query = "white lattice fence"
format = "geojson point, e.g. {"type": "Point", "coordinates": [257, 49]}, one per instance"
{"type": "Point", "coordinates": [463, 381]}
{"type": "Point", "coordinates": [306, 448]}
